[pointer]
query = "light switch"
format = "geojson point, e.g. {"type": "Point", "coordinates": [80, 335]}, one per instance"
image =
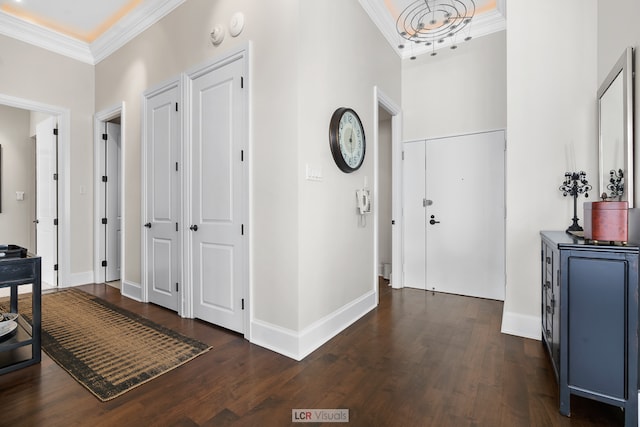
{"type": "Point", "coordinates": [313, 174]}
{"type": "Point", "coordinates": [20, 195]}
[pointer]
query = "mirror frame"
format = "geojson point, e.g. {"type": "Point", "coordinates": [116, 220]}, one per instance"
{"type": "Point", "coordinates": [624, 67]}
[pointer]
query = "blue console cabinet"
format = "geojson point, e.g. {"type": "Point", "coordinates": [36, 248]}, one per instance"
{"type": "Point", "coordinates": [596, 306]}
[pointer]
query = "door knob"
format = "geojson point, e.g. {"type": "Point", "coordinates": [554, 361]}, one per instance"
{"type": "Point", "coordinates": [36, 221]}
{"type": "Point", "coordinates": [193, 228]}
{"type": "Point", "coordinates": [148, 225]}
{"type": "Point", "coordinates": [433, 221]}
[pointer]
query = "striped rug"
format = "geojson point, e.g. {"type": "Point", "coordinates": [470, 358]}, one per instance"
{"type": "Point", "coordinates": [105, 348]}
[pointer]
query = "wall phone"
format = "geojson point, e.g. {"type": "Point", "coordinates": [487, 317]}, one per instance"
{"type": "Point", "coordinates": [363, 201]}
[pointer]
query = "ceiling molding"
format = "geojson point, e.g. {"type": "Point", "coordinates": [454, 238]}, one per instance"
{"type": "Point", "coordinates": [131, 26]}
{"type": "Point", "coordinates": [45, 38]}
{"type": "Point", "coordinates": [113, 39]}
{"type": "Point", "coordinates": [482, 25]}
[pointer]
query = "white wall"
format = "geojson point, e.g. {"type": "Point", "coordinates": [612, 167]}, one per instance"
{"type": "Point", "coordinates": [456, 92]}
{"type": "Point", "coordinates": [337, 68]}
{"type": "Point", "coordinates": [34, 74]}
{"type": "Point", "coordinates": [17, 173]}
{"type": "Point", "coordinates": [551, 90]}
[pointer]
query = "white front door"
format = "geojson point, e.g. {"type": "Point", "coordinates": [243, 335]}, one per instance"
{"type": "Point", "coordinates": [463, 213]}
{"type": "Point", "coordinates": [113, 211]}
{"type": "Point", "coordinates": [413, 197]}
{"type": "Point", "coordinates": [47, 200]}
{"type": "Point", "coordinates": [163, 198]}
{"type": "Point", "coordinates": [217, 190]}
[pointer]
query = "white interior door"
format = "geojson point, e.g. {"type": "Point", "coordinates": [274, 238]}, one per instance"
{"type": "Point", "coordinates": [413, 197]}
{"type": "Point", "coordinates": [46, 200]}
{"type": "Point", "coordinates": [216, 190]}
{"type": "Point", "coordinates": [113, 210]}
{"type": "Point", "coordinates": [455, 215]}
{"type": "Point", "coordinates": [163, 198]}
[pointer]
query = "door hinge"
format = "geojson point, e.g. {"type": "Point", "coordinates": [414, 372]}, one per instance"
{"type": "Point", "coordinates": [104, 221]}
{"type": "Point", "coordinates": [176, 166]}
{"type": "Point", "coordinates": [177, 287]}
{"type": "Point", "coordinates": [55, 267]}
{"type": "Point", "coordinates": [242, 155]}
{"type": "Point", "coordinates": [55, 176]}
{"type": "Point", "coordinates": [104, 178]}
{"type": "Point", "coordinates": [403, 155]}
{"type": "Point", "coordinates": [104, 136]}
{"type": "Point", "coordinates": [243, 303]}
{"type": "Point", "coordinates": [55, 131]}
{"type": "Point", "coordinates": [104, 263]}
{"type": "Point", "coordinates": [176, 226]}
{"type": "Point", "coordinates": [176, 110]}
{"type": "Point", "coordinates": [241, 82]}
{"type": "Point", "coordinates": [242, 229]}
{"type": "Point", "coordinates": [55, 221]}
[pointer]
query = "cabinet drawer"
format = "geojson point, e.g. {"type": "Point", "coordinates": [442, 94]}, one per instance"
{"type": "Point", "coordinates": [17, 272]}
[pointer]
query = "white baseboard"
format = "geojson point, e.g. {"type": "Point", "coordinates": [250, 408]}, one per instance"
{"type": "Point", "coordinates": [131, 290]}
{"type": "Point", "coordinates": [521, 325]}
{"type": "Point", "coordinates": [298, 345]}
{"type": "Point", "coordinates": [77, 279]}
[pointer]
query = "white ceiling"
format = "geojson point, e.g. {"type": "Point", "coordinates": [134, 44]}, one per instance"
{"type": "Point", "coordinates": [90, 30]}
{"type": "Point", "coordinates": [86, 30]}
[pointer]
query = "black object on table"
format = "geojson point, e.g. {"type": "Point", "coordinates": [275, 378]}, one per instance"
{"type": "Point", "coordinates": [17, 268]}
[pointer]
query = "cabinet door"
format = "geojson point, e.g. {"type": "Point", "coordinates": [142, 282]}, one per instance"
{"type": "Point", "coordinates": [597, 306]}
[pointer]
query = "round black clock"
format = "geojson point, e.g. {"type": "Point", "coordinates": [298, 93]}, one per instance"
{"type": "Point", "coordinates": [346, 139]}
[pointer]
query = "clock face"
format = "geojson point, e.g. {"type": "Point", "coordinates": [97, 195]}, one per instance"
{"type": "Point", "coordinates": [347, 140]}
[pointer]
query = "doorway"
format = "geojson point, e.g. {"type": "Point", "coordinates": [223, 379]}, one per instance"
{"type": "Point", "coordinates": [454, 210]}
{"type": "Point", "coordinates": [387, 150]}
{"type": "Point", "coordinates": [109, 197]}
{"type": "Point", "coordinates": [63, 158]}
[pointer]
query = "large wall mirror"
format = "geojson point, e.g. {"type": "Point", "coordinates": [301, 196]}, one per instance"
{"type": "Point", "coordinates": [615, 111]}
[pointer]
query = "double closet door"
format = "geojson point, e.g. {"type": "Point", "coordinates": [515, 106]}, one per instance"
{"type": "Point", "coordinates": [454, 214]}
{"type": "Point", "coordinates": [195, 180]}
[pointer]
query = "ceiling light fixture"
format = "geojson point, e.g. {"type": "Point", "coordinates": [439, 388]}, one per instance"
{"type": "Point", "coordinates": [431, 21]}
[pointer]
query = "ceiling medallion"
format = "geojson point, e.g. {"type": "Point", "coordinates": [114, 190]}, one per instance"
{"type": "Point", "coordinates": [433, 21]}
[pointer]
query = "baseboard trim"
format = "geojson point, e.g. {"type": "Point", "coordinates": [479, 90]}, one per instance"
{"type": "Point", "coordinates": [77, 279]}
{"type": "Point", "coordinates": [521, 325]}
{"type": "Point", "coordinates": [131, 290]}
{"type": "Point", "coordinates": [298, 345]}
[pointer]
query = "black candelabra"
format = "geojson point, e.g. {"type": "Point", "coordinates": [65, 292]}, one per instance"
{"type": "Point", "coordinates": [575, 183]}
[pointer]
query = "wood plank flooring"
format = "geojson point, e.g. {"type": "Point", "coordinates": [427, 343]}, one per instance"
{"type": "Point", "coordinates": [419, 359]}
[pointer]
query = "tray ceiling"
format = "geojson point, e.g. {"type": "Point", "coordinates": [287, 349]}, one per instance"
{"type": "Point", "coordinates": [490, 17]}
{"type": "Point", "coordinates": [86, 30]}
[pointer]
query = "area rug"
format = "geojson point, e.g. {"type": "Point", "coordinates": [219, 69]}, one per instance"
{"type": "Point", "coordinates": [107, 349]}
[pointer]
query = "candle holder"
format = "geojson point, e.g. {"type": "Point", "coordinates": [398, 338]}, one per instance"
{"type": "Point", "coordinates": [575, 183]}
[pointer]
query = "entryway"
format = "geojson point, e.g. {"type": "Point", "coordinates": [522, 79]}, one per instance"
{"type": "Point", "coordinates": [454, 214]}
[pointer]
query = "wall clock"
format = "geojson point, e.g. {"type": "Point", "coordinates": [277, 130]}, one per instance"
{"type": "Point", "coordinates": [346, 139]}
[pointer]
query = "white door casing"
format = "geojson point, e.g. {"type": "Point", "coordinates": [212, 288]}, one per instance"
{"type": "Point", "coordinates": [113, 208]}
{"type": "Point", "coordinates": [463, 215]}
{"type": "Point", "coordinates": [217, 123]}
{"type": "Point", "coordinates": [47, 199]}
{"type": "Point", "coordinates": [163, 197]}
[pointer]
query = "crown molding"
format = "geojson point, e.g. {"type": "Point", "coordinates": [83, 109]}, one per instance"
{"type": "Point", "coordinates": [482, 25]}
{"type": "Point", "coordinates": [113, 39]}
{"type": "Point", "coordinates": [36, 35]}
{"type": "Point", "coordinates": [131, 26]}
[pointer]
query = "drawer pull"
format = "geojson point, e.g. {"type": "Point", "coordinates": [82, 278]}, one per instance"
{"type": "Point", "coordinates": [549, 309]}
{"type": "Point", "coordinates": [548, 260]}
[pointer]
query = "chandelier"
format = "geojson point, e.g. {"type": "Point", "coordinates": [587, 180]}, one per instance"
{"type": "Point", "coordinates": [432, 22]}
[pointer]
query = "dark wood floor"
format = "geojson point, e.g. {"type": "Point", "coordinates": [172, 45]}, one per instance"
{"type": "Point", "coordinates": [419, 359]}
